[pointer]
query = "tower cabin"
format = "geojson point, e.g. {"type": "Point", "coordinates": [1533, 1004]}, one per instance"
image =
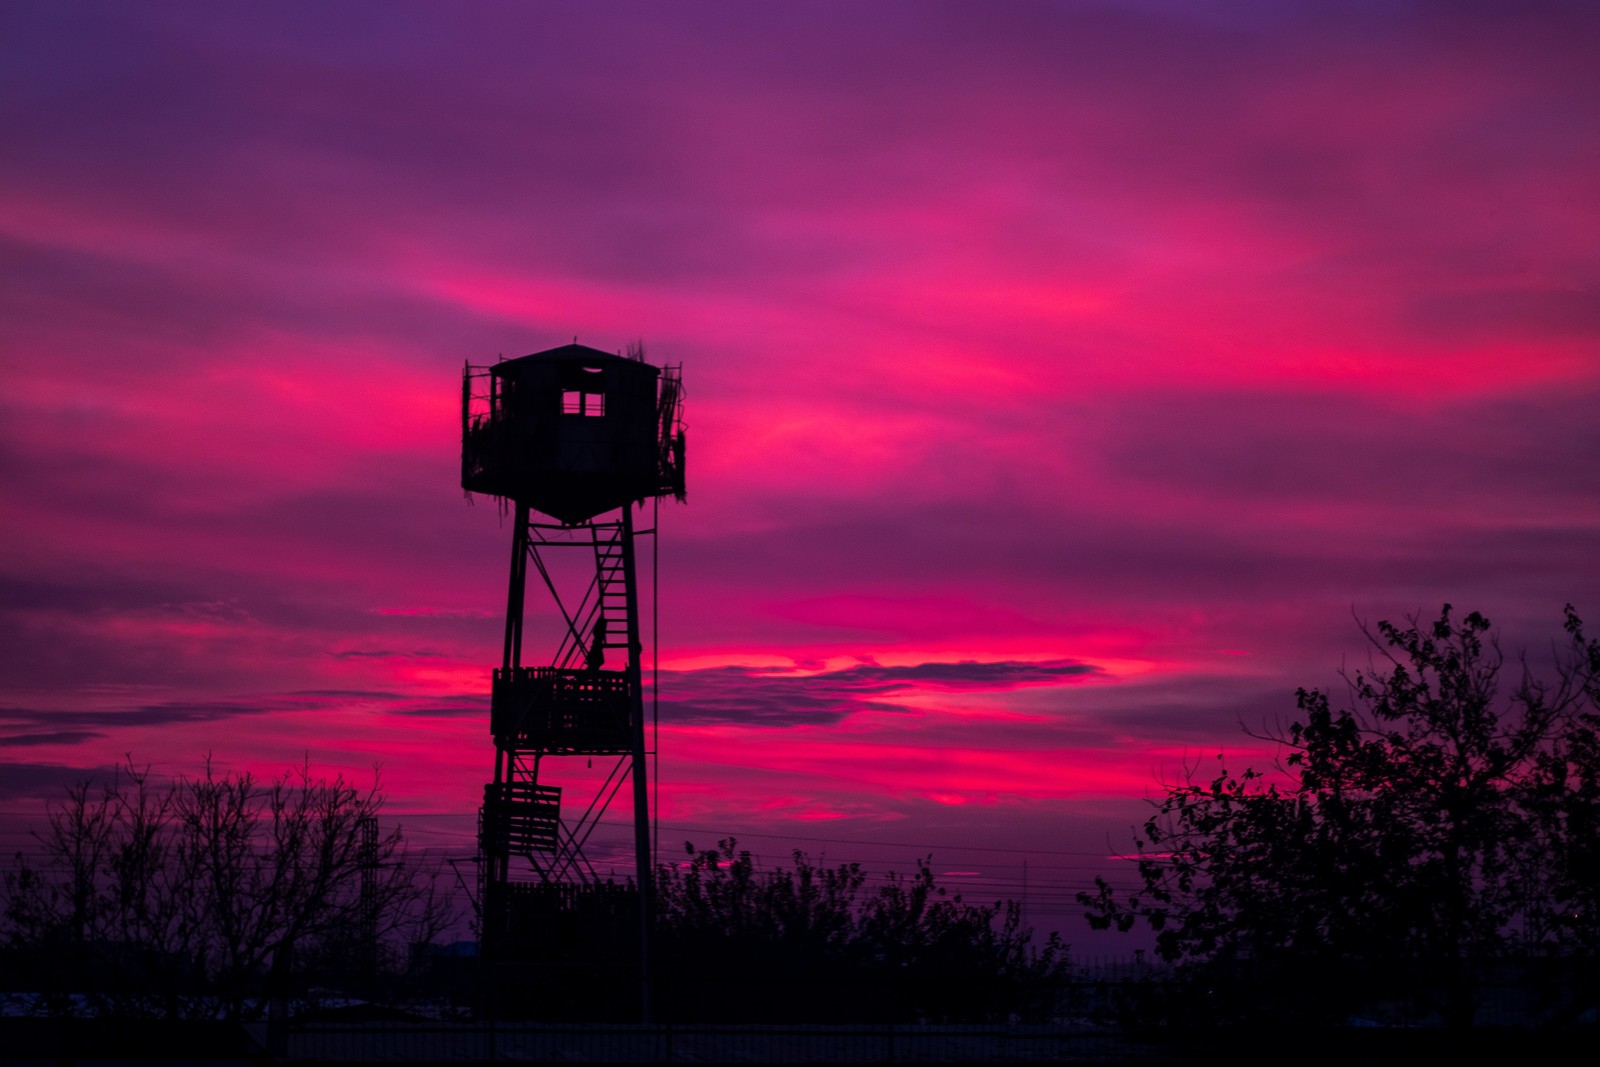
{"type": "Point", "coordinates": [572, 432]}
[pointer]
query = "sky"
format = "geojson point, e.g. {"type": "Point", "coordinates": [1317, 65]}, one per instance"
{"type": "Point", "coordinates": [1067, 384]}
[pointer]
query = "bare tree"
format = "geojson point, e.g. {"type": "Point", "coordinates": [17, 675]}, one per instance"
{"type": "Point", "coordinates": [203, 896]}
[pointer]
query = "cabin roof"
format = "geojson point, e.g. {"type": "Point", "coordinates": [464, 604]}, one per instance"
{"type": "Point", "coordinates": [574, 351]}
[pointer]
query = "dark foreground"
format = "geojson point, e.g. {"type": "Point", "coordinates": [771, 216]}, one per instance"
{"type": "Point", "coordinates": [107, 1042]}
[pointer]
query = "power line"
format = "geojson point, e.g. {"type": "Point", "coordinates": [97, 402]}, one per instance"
{"type": "Point", "coordinates": [923, 847]}
{"type": "Point", "coordinates": [742, 834]}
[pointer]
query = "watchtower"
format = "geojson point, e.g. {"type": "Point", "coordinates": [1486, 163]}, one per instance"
{"type": "Point", "coordinates": [578, 437]}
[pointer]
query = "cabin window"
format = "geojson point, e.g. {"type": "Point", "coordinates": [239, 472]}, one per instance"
{"type": "Point", "coordinates": [580, 402]}
{"type": "Point", "coordinates": [583, 390]}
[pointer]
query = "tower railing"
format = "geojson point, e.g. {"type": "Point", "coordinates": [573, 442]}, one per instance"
{"type": "Point", "coordinates": [561, 710]}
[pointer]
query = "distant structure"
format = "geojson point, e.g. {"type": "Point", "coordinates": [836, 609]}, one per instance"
{"type": "Point", "coordinates": [571, 439]}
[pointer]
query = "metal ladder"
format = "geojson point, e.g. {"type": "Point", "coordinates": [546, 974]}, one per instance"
{"type": "Point", "coordinates": [611, 613]}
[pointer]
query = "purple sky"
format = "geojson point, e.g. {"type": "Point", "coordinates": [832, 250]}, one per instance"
{"type": "Point", "coordinates": [1063, 378]}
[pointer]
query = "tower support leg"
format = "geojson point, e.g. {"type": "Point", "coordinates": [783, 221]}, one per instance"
{"type": "Point", "coordinates": [574, 707]}
{"type": "Point", "coordinates": [644, 875]}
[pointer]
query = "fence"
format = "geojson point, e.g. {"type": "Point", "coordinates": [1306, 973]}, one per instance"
{"type": "Point", "coordinates": [620, 1043]}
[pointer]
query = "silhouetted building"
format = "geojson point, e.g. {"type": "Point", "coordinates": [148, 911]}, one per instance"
{"type": "Point", "coordinates": [579, 436]}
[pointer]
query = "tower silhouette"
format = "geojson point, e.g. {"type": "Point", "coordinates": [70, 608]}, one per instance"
{"type": "Point", "coordinates": [570, 439]}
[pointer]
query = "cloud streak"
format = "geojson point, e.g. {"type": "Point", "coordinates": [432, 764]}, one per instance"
{"type": "Point", "coordinates": [769, 698]}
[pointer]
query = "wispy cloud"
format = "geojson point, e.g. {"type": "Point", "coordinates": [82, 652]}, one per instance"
{"type": "Point", "coordinates": [765, 697]}
{"type": "Point", "coordinates": [48, 737]}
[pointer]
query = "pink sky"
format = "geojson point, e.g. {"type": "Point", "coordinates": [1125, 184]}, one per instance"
{"type": "Point", "coordinates": [1062, 379]}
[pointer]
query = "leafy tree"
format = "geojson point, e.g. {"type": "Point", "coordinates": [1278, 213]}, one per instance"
{"type": "Point", "coordinates": [205, 897]}
{"type": "Point", "coordinates": [812, 943]}
{"type": "Point", "coordinates": [1564, 796]}
{"type": "Point", "coordinates": [1441, 821]}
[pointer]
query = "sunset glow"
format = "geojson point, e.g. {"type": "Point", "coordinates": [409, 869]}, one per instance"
{"type": "Point", "coordinates": [1065, 382]}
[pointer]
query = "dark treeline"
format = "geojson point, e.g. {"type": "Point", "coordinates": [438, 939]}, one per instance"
{"type": "Point", "coordinates": [226, 897]}
{"type": "Point", "coordinates": [735, 942]}
{"type": "Point", "coordinates": [811, 943]}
